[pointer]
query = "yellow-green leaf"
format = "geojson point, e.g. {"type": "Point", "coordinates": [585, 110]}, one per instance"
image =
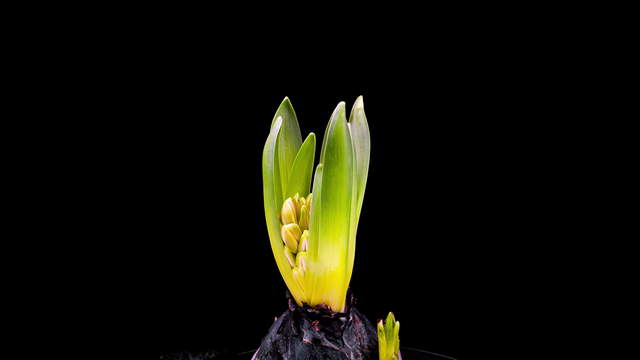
{"type": "Point", "coordinates": [288, 140]}
{"type": "Point", "coordinates": [302, 169]}
{"type": "Point", "coordinates": [361, 140]}
{"type": "Point", "coordinates": [335, 216]}
{"type": "Point", "coordinates": [272, 192]}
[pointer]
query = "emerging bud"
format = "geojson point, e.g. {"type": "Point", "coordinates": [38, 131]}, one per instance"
{"type": "Point", "coordinates": [304, 218]}
{"type": "Point", "coordinates": [289, 256]}
{"type": "Point", "coordinates": [304, 241]}
{"type": "Point", "coordinates": [291, 235]}
{"type": "Point", "coordinates": [301, 261]}
{"type": "Point", "coordinates": [289, 212]}
{"type": "Point", "coordinates": [389, 338]}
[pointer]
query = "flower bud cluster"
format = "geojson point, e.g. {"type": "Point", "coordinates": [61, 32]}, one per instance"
{"type": "Point", "coordinates": [295, 231]}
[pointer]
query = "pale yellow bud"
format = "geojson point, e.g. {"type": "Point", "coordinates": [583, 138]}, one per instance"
{"type": "Point", "coordinates": [302, 201]}
{"type": "Point", "coordinates": [304, 241]}
{"type": "Point", "coordinates": [289, 256]}
{"type": "Point", "coordinates": [296, 201]}
{"type": "Point", "coordinates": [304, 218]}
{"type": "Point", "coordinates": [291, 235]}
{"type": "Point", "coordinates": [301, 261]}
{"type": "Point", "coordinates": [289, 212]}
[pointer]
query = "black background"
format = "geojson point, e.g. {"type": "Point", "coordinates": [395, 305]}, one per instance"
{"type": "Point", "coordinates": [476, 184]}
{"type": "Point", "coordinates": [465, 183]}
{"type": "Point", "coordinates": [452, 184]}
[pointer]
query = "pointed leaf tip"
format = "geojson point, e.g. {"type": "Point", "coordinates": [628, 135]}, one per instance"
{"type": "Point", "coordinates": [391, 317]}
{"type": "Point", "coordinates": [289, 139]}
{"type": "Point", "coordinates": [338, 113]}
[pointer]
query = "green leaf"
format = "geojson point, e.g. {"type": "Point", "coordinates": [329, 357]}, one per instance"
{"type": "Point", "coordinates": [382, 341]}
{"type": "Point", "coordinates": [272, 192]}
{"type": "Point", "coordinates": [396, 337]}
{"type": "Point", "coordinates": [302, 169]}
{"type": "Point", "coordinates": [388, 325]}
{"type": "Point", "coordinates": [288, 140]}
{"type": "Point", "coordinates": [361, 140]}
{"type": "Point", "coordinates": [335, 216]}
{"type": "Point", "coordinates": [313, 277]}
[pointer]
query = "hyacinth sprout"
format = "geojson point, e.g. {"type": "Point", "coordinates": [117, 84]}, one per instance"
{"type": "Point", "coordinates": [389, 338]}
{"type": "Point", "coordinates": [312, 225]}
